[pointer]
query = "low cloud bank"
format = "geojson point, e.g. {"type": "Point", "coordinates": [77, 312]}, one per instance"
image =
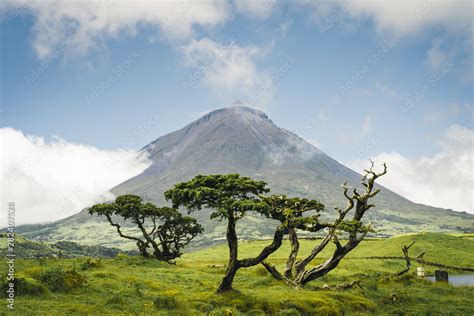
{"type": "Point", "coordinates": [445, 179]}
{"type": "Point", "coordinates": [50, 180]}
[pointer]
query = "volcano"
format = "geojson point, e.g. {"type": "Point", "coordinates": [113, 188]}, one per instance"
{"type": "Point", "coordinates": [239, 139]}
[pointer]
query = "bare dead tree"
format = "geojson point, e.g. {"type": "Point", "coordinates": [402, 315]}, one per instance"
{"type": "Point", "coordinates": [296, 272]}
{"type": "Point", "coordinates": [405, 249]}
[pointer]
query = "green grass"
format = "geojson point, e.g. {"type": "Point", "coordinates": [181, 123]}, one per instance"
{"type": "Point", "coordinates": [132, 285]}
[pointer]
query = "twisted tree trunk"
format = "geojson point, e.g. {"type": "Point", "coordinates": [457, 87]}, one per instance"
{"type": "Point", "coordinates": [296, 272]}
{"type": "Point", "coordinates": [295, 247]}
{"type": "Point", "coordinates": [407, 259]}
{"type": "Point", "coordinates": [234, 263]}
{"type": "Point", "coordinates": [233, 266]}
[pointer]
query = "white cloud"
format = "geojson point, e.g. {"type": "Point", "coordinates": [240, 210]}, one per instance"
{"type": "Point", "coordinates": [437, 56]}
{"type": "Point", "coordinates": [229, 70]}
{"type": "Point", "coordinates": [81, 25]}
{"type": "Point", "coordinates": [409, 17]}
{"type": "Point", "coordinates": [445, 179]}
{"type": "Point", "coordinates": [255, 8]}
{"type": "Point", "coordinates": [400, 18]}
{"type": "Point", "coordinates": [451, 19]}
{"type": "Point", "coordinates": [49, 180]}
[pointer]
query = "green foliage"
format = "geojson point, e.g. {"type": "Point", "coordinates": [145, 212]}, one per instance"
{"type": "Point", "coordinates": [59, 280]}
{"type": "Point", "coordinates": [116, 299]}
{"type": "Point", "coordinates": [90, 263]}
{"type": "Point", "coordinates": [291, 211]}
{"type": "Point", "coordinates": [222, 193]}
{"type": "Point", "coordinates": [112, 289]}
{"type": "Point", "coordinates": [229, 196]}
{"type": "Point", "coordinates": [166, 301]}
{"type": "Point", "coordinates": [354, 226]}
{"type": "Point", "coordinates": [24, 286]}
{"type": "Point", "coordinates": [165, 230]}
{"type": "Point", "coordinates": [29, 249]}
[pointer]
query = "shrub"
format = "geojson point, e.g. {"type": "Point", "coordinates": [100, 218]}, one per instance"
{"type": "Point", "coordinates": [116, 299]}
{"type": "Point", "coordinates": [103, 275]}
{"type": "Point", "coordinates": [121, 255]}
{"type": "Point", "coordinates": [289, 312]}
{"type": "Point", "coordinates": [33, 272]}
{"type": "Point", "coordinates": [166, 301]}
{"type": "Point", "coordinates": [138, 289]}
{"type": "Point", "coordinates": [24, 286]}
{"type": "Point", "coordinates": [59, 280]}
{"type": "Point", "coordinates": [91, 264]}
{"type": "Point", "coordinates": [224, 311]}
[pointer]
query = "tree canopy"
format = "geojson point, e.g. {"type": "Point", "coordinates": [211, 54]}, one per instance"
{"type": "Point", "coordinates": [224, 194]}
{"type": "Point", "coordinates": [230, 197]}
{"type": "Point", "coordinates": [164, 230]}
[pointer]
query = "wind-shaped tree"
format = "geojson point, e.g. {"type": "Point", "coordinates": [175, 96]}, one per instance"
{"type": "Point", "coordinates": [163, 229]}
{"type": "Point", "coordinates": [230, 197]}
{"type": "Point", "coordinates": [292, 210]}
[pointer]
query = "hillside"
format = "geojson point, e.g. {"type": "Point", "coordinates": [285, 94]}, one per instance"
{"type": "Point", "coordinates": [25, 248]}
{"type": "Point", "coordinates": [132, 285]}
{"type": "Point", "coordinates": [245, 141]}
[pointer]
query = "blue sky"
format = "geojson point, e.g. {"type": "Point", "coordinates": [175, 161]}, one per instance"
{"type": "Point", "coordinates": [357, 79]}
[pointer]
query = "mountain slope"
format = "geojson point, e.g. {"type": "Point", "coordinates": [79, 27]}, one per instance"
{"type": "Point", "coordinates": [245, 141]}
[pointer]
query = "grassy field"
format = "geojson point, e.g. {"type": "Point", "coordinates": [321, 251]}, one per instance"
{"type": "Point", "coordinates": [132, 285]}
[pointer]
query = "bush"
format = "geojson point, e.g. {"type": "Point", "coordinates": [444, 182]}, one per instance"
{"type": "Point", "coordinates": [59, 280]}
{"type": "Point", "coordinates": [91, 264]}
{"type": "Point", "coordinates": [168, 302]}
{"type": "Point", "coordinates": [103, 275]}
{"type": "Point", "coordinates": [224, 311]}
{"type": "Point", "coordinates": [289, 312]}
{"type": "Point", "coordinates": [33, 272]}
{"type": "Point", "coordinates": [24, 286]}
{"type": "Point", "coordinates": [116, 299]}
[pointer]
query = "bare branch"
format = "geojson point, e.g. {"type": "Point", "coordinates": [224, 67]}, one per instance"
{"type": "Point", "coordinates": [407, 259]}
{"type": "Point", "coordinates": [336, 241]}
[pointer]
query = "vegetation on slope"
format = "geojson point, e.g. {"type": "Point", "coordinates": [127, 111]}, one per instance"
{"type": "Point", "coordinates": [28, 249]}
{"type": "Point", "coordinates": [133, 285]}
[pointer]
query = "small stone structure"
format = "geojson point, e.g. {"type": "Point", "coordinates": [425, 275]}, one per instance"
{"type": "Point", "coordinates": [441, 276]}
{"type": "Point", "coordinates": [420, 271]}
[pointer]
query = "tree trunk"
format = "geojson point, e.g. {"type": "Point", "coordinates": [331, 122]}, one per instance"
{"type": "Point", "coordinates": [233, 266]}
{"type": "Point", "coordinates": [318, 271]}
{"type": "Point", "coordinates": [295, 246]}
{"type": "Point", "coordinates": [226, 283]}
{"type": "Point", "coordinates": [407, 259]}
{"type": "Point", "coordinates": [330, 264]}
{"type": "Point", "coordinates": [142, 247]}
{"type": "Point", "coordinates": [272, 270]}
{"type": "Point", "coordinates": [301, 265]}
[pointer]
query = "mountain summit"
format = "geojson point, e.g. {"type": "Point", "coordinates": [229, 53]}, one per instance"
{"type": "Point", "coordinates": [244, 140]}
{"type": "Point", "coordinates": [239, 139]}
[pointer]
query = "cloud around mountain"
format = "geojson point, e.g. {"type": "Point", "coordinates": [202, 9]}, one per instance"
{"type": "Point", "coordinates": [445, 179]}
{"type": "Point", "coordinates": [52, 179]}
